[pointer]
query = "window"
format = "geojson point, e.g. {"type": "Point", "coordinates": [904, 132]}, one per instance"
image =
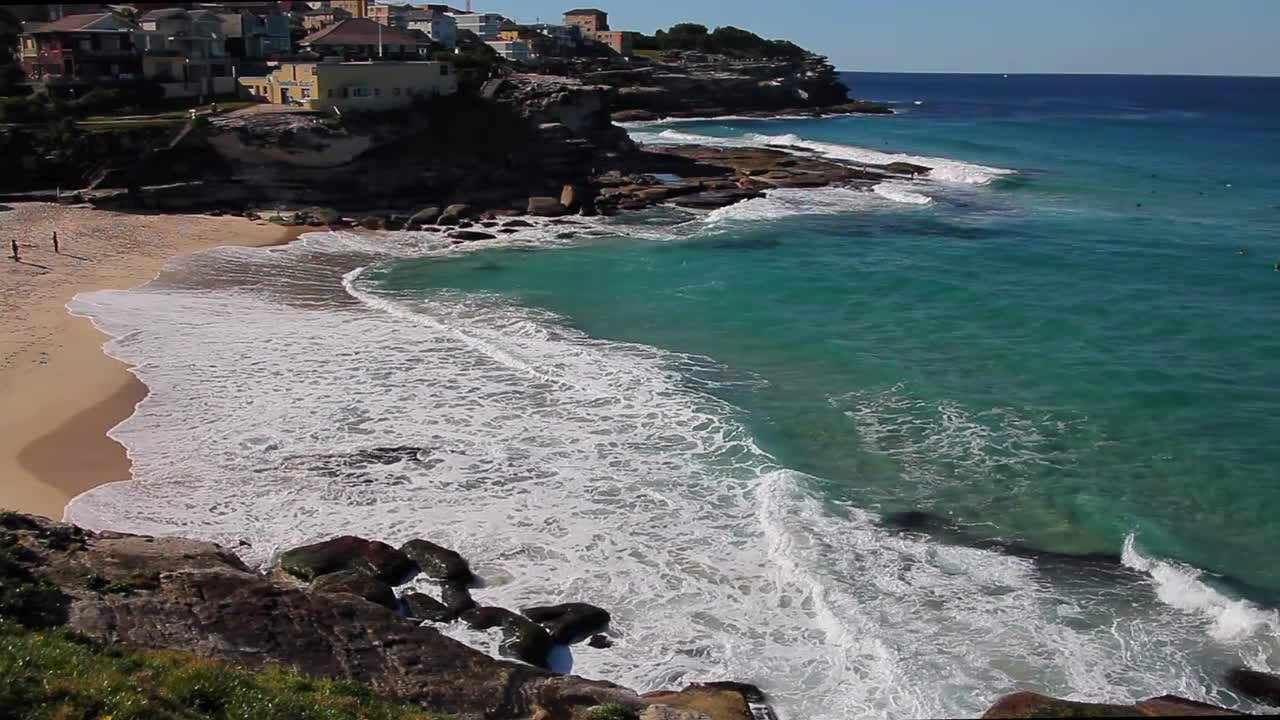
{"type": "Point", "coordinates": [377, 92]}
{"type": "Point", "coordinates": [330, 92]}
{"type": "Point", "coordinates": [395, 92]}
{"type": "Point", "coordinates": [306, 93]}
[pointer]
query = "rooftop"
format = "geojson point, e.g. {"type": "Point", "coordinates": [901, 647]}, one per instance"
{"type": "Point", "coordinates": [359, 31]}
{"type": "Point", "coordinates": [90, 22]}
{"type": "Point", "coordinates": [585, 11]}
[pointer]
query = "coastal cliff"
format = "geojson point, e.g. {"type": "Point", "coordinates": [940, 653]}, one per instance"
{"type": "Point", "coordinates": [132, 594]}
{"type": "Point", "coordinates": [327, 614]}
{"type": "Point", "coordinates": [694, 84]}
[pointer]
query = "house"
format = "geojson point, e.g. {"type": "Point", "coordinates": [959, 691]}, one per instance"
{"type": "Point", "coordinates": [86, 49]}
{"type": "Point", "coordinates": [594, 26]}
{"type": "Point", "coordinates": [334, 85]}
{"type": "Point", "coordinates": [362, 38]}
{"type": "Point", "coordinates": [484, 25]}
{"type": "Point", "coordinates": [561, 39]}
{"type": "Point", "coordinates": [354, 8]}
{"type": "Point", "coordinates": [324, 17]}
{"type": "Point", "coordinates": [396, 16]}
{"type": "Point", "coordinates": [588, 20]}
{"type": "Point", "coordinates": [441, 28]}
{"type": "Point", "coordinates": [513, 50]}
{"type": "Point", "coordinates": [250, 36]}
{"type": "Point", "coordinates": [185, 51]}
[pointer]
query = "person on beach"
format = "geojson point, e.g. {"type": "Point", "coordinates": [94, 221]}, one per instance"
{"type": "Point", "coordinates": [14, 241]}
{"type": "Point", "coordinates": [55, 243]}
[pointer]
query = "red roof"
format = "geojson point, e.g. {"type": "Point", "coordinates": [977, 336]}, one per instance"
{"type": "Point", "coordinates": [358, 31]}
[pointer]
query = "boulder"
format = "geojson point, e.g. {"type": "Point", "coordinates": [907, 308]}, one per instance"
{"type": "Point", "coordinates": [458, 210]}
{"type": "Point", "coordinates": [1263, 687]}
{"type": "Point", "coordinates": [517, 224]}
{"type": "Point", "coordinates": [348, 552]}
{"type": "Point", "coordinates": [425, 216]}
{"type": "Point", "coordinates": [359, 584]}
{"type": "Point", "coordinates": [316, 216]}
{"type": "Point", "coordinates": [447, 220]}
{"type": "Point", "coordinates": [484, 618]}
{"type": "Point", "coordinates": [456, 597]}
{"type": "Point", "coordinates": [522, 639]}
{"type": "Point", "coordinates": [372, 222]}
{"type": "Point", "coordinates": [434, 561]}
{"type": "Point", "coordinates": [546, 207]}
{"type": "Point", "coordinates": [525, 640]}
{"type": "Point", "coordinates": [717, 701]}
{"type": "Point", "coordinates": [1035, 705]}
{"type": "Point", "coordinates": [569, 622]}
{"type": "Point", "coordinates": [471, 235]}
{"type": "Point", "coordinates": [425, 607]}
{"type": "Point", "coordinates": [571, 198]}
{"type": "Point", "coordinates": [600, 642]}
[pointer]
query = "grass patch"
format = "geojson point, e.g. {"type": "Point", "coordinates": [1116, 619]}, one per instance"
{"type": "Point", "coordinates": [612, 711]}
{"type": "Point", "coordinates": [57, 675]}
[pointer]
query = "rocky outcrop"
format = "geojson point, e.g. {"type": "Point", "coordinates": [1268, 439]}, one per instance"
{"type": "Point", "coordinates": [1035, 705]}
{"type": "Point", "coordinates": [569, 622]}
{"type": "Point", "coordinates": [699, 85]}
{"type": "Point", "coordinates": [373, 558]}
{"type": "Point", "coordinates": [196, 597]}
{"type": "Point", "coordinates": [1263, 687]}
{"type": "Point", "coordinates": [436, 562]}
{"type": "Point", "coordinates": [360, 584]}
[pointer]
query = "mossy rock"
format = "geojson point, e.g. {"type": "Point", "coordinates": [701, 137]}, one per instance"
{"type": "Point", "coordinates": [435, 561]}
{"type": "Point", "coordinates": [371, 557]}
{"type": "Point", "coordinates": [525, 640]}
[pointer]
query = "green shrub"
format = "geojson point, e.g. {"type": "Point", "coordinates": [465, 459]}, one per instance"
{"type": "Point", "coordinates": [612, 711]}
{"type": "Point", "coordinates": [24, 598]}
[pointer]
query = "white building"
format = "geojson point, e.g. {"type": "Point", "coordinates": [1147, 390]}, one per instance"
{"type": "Point", "coordinates": [513, 50]}
{"type": "Point", "coordinates": [484, 25]}
{"type": "Point", "coordinates": [441, 28]}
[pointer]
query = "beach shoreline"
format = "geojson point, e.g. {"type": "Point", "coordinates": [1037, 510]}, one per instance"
{"type": "Point", "coordinates": [62, 392]}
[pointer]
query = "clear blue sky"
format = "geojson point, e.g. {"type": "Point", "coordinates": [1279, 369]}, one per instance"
{"type": "Point", "coordinates": [1204, 37]}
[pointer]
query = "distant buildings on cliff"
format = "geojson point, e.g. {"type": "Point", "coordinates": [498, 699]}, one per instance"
{"type": "Point", "coordinates": [305, 53]}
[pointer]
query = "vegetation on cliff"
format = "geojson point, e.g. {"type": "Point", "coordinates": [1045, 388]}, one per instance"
{"type": "Point", "coordinates": [728, 40]}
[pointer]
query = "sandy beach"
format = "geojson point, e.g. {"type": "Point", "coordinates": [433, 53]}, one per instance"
{"type": "Point", "coordinates": [61, 393]}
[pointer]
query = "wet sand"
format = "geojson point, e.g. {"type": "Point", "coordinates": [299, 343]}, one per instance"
{"type": "Point", "coordinates": [59, 392]}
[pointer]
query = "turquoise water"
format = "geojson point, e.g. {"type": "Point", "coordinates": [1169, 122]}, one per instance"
{"type": "Point", "coordinates": [1062, 357]}
{"type": "Point", "coordinates": [1062, 339]}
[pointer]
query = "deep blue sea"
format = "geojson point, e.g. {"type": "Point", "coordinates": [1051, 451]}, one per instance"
{"type": "Point", "coordinates": [1061, 344]}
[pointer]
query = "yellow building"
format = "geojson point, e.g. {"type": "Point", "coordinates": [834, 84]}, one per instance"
{"type": "Point", "coordinates": [344, 86]}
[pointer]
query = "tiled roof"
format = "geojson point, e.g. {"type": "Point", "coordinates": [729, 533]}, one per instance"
{"type": "Point", "coordinates": [358, 31]}
{"type": "Point", "coordinates": [585, 11]}
{"type": "Point", "coordinates": [102, 22]}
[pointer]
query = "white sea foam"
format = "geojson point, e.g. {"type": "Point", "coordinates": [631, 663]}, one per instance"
{"type": "Point", "coordinates": [899, 192]}
{"type": "Point", "coordinates": [1181, 587]}
{"type": "Point", "coordinates": [784, 202]}
{"type": "Point", "coordinates": [941, 169]}
{"type": "Point", "coordinates": [571, 468]}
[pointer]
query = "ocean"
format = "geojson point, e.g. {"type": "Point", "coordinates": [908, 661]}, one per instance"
{"type": "Point", "coordinates": [1062, 341]}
